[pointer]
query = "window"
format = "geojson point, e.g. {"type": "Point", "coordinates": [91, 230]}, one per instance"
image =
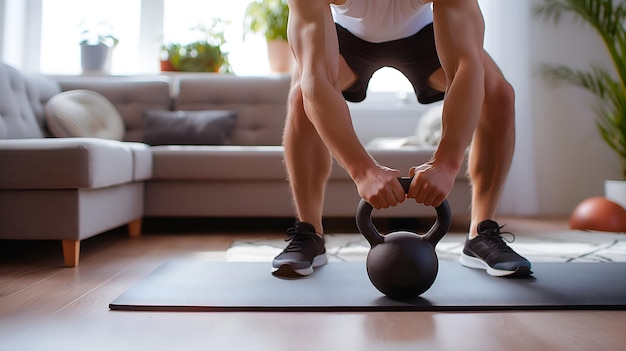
{"type": "Point", "coordinates": [246, 57]}
{"type": "Point", "coordinates": [63, 20]}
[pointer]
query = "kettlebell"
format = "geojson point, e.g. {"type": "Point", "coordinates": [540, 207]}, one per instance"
{"type": "Point", "coordinates": [402, 265]}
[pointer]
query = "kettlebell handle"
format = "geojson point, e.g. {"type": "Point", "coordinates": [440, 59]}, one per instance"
{"type": "Point", "coordinates": [371, 234]}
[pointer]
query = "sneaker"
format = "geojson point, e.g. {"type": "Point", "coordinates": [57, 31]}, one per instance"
{"type": "Point", "coordinates": [488, 251]}
{"type": "Point", "coordinates": [305, 251]}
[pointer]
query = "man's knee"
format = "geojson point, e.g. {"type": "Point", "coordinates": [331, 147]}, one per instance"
{"type": "Point", "coordinates": [500, 93]}
{"type": "Point", "coordinates": [294, 99]}
{"type": "Point", "coordinates": [500, 102]}
{"type": "Point", "coordinates": [297, 122]}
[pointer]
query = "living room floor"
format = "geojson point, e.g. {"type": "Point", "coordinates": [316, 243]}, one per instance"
{"type": "Point", "coordinates": [44, 306]}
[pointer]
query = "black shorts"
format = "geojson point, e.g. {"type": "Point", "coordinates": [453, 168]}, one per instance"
{"type": "Point", "coordinates": [414, 56]}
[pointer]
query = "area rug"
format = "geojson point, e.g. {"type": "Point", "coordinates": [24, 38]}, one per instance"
{"type": "Point", "coordinates": [556, 246]}
{"type": "Point", "coordinates": [197, 285]}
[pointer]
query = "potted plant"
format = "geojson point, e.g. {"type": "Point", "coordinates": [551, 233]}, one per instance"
{"type": "Point", "coordinates": [608, 19]}
{"type": "Point", "coordinates": [97, 42]}
{"type": "Point", "coordinates": [203, 55]}
{"type": "Point", "coordinates": [269, 18]}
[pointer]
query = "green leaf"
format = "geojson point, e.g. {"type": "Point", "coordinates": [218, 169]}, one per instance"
{"type": "Point", "coordinates": [268, 18]}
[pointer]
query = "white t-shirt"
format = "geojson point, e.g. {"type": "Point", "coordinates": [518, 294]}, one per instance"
{"type": "Point", "coordinates": [383, 20]}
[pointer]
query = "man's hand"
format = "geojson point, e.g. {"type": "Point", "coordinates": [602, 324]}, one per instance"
{"type": "Point", "coordinates": [431, 183]}
{"type": "Point", "coordinates": [380, 187]}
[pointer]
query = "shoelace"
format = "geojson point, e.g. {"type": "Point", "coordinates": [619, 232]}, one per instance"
{"type": "Point", "coordinates": [296, 240]}
{"type": "Point", "coordinates": [496, 237]}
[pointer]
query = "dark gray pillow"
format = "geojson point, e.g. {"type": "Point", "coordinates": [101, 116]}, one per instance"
{"type": "Point", "coordinates": [212, 127]}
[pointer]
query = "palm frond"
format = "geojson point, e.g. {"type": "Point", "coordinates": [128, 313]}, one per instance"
{"type": "Point", "coordinates": [608, 19]}
{"type": "Point", "coordinates": [597, 81]}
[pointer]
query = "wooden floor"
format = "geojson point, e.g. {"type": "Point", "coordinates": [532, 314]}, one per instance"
{"type": "Point", "coordinates": [44, 306]}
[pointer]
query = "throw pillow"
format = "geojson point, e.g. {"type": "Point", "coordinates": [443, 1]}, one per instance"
{"type": "Point", "coordinates": [210, 127]}
{"type": "Point", "coordinates": [428, 131]}
{"type": "Point", "coordinates": [83, 113]}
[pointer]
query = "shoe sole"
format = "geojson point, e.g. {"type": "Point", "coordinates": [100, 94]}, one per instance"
{"type": "Point", "coordinates": [473, 262]}
{"type": "Point", "coordinates": [287, 271]}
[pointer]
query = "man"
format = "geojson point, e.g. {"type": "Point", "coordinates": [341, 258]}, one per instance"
{"type": "Point", "coordinates": [440, 49]}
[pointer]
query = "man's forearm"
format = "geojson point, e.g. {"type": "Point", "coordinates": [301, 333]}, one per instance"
{"type": "Point", "coordinates": [330, 115]}
{"type": "Point", "coordinates": [460, 115]}
{"type": "Point", "coordinates": [459, 31]}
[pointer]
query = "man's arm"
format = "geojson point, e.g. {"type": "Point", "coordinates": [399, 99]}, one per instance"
{"type": "Point", "coordinates": [313, 38]}
{"type": "Point", "coordinates": [459, 33]}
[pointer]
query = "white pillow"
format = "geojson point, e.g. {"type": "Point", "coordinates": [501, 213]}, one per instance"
{"type": "Point", "coordinates": [83, 113]}
{"type": "Point", "coordinates": [428, 131]}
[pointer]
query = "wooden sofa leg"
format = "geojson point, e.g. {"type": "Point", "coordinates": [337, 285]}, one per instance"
{"type": "Point", "coordinates": [134, 228]}
{"type": "Point", "coordinates": [71, 252]}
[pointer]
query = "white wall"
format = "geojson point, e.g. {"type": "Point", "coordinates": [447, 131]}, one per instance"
{"type": "Point", "coordinates": [507, 41]}
{"type": "Point", "coordinates": [572, 161]}
{"type": "Point", "coordinates": [560, 158]}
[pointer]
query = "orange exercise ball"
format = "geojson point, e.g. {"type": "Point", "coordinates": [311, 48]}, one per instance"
{"type": "Point", "coordinates": [599, 213]}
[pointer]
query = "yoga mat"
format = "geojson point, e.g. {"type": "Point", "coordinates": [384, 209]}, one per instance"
{"type": "Point", "coordinates": [186, 285]}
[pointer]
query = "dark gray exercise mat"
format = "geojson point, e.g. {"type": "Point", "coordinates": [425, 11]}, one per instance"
{"type": "Point", "coordinates": [344, 286]}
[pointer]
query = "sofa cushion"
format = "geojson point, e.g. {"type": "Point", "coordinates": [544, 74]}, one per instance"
{"type": "Point", "coordinates": [17, 118]}
{"type": "Point", "coordinates": [261, 163]}
{"type": "Point", "coordinates": [211, 127]}
{"type": "Point", "coordinates": [66, 163]}
{"type": "Point", "coordinates": [131, 96]}
{"type": "Point", "coordinates": [226, 162]}
{"type": "Point", "coordinates": [260, 103]}
{"type": "Point", "coordinates": [40, 90]}
{"type": "Point", "coordinates": [142, 160]}
{"type": "Point", "coordinates": [83, 113]}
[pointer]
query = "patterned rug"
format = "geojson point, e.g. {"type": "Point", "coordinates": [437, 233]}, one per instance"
{"type": "Point", "coordinates": [563, 246]}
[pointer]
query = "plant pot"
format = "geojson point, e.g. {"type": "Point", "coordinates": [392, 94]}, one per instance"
{"type": "Point", "coordinates": [280, 56]}
{"type": "Point", "coordinates": [166, 66]}
{"type": "Point", "coordinates": [95, 59]}
{"type": "Point", "coordinates": [615, 190]}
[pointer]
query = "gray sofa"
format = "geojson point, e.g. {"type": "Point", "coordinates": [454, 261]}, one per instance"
{"type": "Point", "coordinates": [66, 189]}
{"type": "Point", "coordinates": [72, 188]}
